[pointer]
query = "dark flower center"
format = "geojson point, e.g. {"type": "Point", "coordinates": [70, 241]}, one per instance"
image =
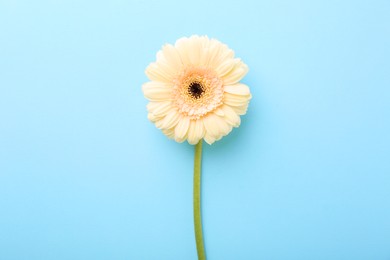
{"type": "Point", "coordinates": [195, 89]}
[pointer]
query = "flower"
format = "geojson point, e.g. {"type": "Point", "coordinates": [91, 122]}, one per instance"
{"type": "Point", "coordinates": [194, 91]}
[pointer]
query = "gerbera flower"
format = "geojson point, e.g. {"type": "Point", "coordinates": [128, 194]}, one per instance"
{"type": "Point", "coordinates": [194, 90]}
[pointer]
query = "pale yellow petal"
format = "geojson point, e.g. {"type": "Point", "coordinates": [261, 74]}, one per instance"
{"type": "Point", "coordinates": [224, 126]}
{"type": "Point", "coordinates": [156, 105]}
{"type": "Point", "coordinates": [215, 125]}
{"type": "Point", "coordinates": [212, 53]}
{"type": "Point", "coordinates": [152, 117]}
{"type": "Point", "coordinates": [231, 116]}
{"type": "Point", "coordinates": [191, 137]}
{"type": "Point", "coordinates": [209, 139]}
{"type": "Point", "coordinates": [236, 74]}
{"type": "Point", "coordinates": [183, 48]}
{"type": "Point", "coordinates": [172, 56]}
{"type": "Point", "coordinates": [240, 110]}
{"type": "Point", "coordinates": [204, 54]}
{"type": "Point", "coordinates": [195, 45]}
{"type": "Point", "coordinates": [155, 73]}
{"type": "Point", "coordinates": [159, 109]}
{"type": "Point", "coordinates": [158, 123]}
{"type": "Point", "coordinates": [166, 68]}
{"type": "Point", "coordinates": [181, 129]}
{"type": "Point", "coordinates": [157, 91]}
{"type": "Point", "coordinates": [170, 120]}
{"type": "Point", "coordinates": [219, 112]}
{"type": "Point", "coordinates": [226, 67]}
{"type": "Point", "coordinates": [169, 132]}
{"type": "Point", "coordinates": [237, 89]}
{"type": "Point", "coordinates": [235, 100]}
{"type": "Point", "coordinates": [211, 125]}
{"type": "Point", "coordinates": [195, 131]}
{"type": "Point", "coordinates": [218, 52]}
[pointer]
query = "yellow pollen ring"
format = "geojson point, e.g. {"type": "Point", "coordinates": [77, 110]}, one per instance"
{"type": "Point", "coordinates": [197, 91]}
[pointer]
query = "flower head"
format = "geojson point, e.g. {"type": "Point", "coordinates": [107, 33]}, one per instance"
{"type": "Point", "coordinates": [194, 90]}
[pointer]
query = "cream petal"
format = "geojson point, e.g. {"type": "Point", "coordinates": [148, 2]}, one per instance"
{"type": "Point", "coordinates": [181, 129]}
{"type": "Point", "coordinates": [169, 132]}
{"type": "Point", "coordinates": [170, 120]}
{"type": "Point", "coordinates": [205, 42]}
{"type": "Point", "coordinates": [218, 52]}
{"type": "Point", "coordinates": [237, 89]}
{"type": "Point", "coordinates": [195, 49]}
{"type": "Point", "coordinates": [209, 139]}
{"type": "Point", "coordinates": [199, 129]}
{"type": "Point", "coordinates": [157, 91]}
{"type": "Point", "coordinates": [236, 74]}
{"type": "Point", "coordinates": [240, 110]}
{"type": "Point", "coordinates": [230, 128]}
{"type": "Point", "coordinates": [231, 116]}
{"type": "Point", "coordinates": [156, 105]}
{"type": "Point", "coordinates": [195, 131]}
{"type": "Point", "coordinates": [166, 68]}
{"type": "Point", "coordinates": [219, 112]}
{"type": "Point", "coordinates": [183, 48]}
{"type": "Point", "coordinates": [155, 73]}
{"type": "Point", "coordinates": [224, 127]}
{"type": "Point", "coordinates": [215, 125]}
{"type": "Point", "coordinates": [159, 123]}
{"type": "Point", "coordinates": [219, 138]}
{"type": "Point", "coordinates": [190, 137]}
{"type": "Point", "coordinates": [235, 100]}
{"type": "Point", "coordinates": [172, 56]}
{"type": "Point", "coordinates": [212, 53]}
{"type": "Point", "coordinates": [152, 117]}
{"type": "Point", "coordinates": [226, 66]}
{"type": "Point", "coordinates": [211, 125]}
{"type": "Point", "coordinates": [160, 109]}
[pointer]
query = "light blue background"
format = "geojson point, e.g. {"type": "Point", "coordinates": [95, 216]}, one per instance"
{"type": "Point", "coordinates": [85, 175]}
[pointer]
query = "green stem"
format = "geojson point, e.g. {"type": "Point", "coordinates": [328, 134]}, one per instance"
{"type": "Point", "coordinates": [197, 211]}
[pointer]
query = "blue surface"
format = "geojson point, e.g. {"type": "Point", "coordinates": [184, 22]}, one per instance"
{"type": "Point", "coordinates": [85, 175]}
